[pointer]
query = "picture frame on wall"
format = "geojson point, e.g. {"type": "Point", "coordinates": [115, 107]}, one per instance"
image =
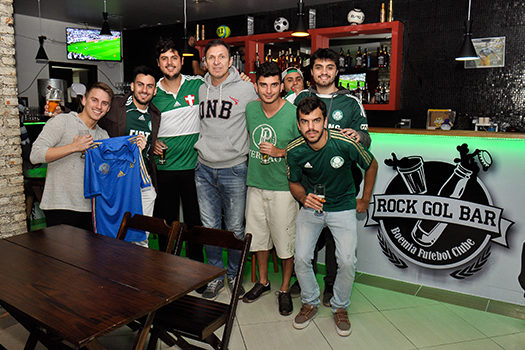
{"type": "Point", "coordinates": [442, 119]}
{"type": "Point", "coordinates": [491, 52]}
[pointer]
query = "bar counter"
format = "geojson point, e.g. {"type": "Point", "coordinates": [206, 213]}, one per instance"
{"type": "Point", "coordinates": [447, 211]}
{"type": "Point", "coordinates": [465, 133]}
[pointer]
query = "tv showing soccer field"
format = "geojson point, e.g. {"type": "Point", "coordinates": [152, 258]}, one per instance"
{"type": "Point", "coordinates": [88, 44]}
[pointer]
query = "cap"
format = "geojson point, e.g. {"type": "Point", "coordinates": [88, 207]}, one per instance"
{"type": "Point", "coordinates": [291, 70]}
{"type": "Point", "coordinates": [77, 89]}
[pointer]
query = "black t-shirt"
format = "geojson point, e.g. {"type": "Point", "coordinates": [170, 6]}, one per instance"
{"type": "Point", "coordinates": [187, 68]}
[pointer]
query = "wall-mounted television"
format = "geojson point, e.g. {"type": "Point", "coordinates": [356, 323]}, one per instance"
{"type": "Point", "coordinates": [352, 81]}
{"type": "Point", "coordinates": [88, 44]}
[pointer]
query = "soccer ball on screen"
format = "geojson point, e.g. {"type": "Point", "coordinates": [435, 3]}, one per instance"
{"type": "Point", "coordinates": [356, 16]}
{"type": "Point", "coordinates": [281, 24]}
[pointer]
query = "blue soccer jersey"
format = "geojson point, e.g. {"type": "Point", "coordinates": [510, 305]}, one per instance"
{"type": "Point", "coordinates": [114, 175]}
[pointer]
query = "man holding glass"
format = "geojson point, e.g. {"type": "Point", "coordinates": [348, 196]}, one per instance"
{"type": "Point", "coordinates": [60, 144]}
{"type": "Point", "coordinates": [324, 157]}
{"type": "Point", "coordinates": [270, 208]}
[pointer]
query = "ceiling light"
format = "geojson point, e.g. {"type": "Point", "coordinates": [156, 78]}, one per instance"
{"type": "Point", "coordinates": [186, 52]}
{"type": "Point", "coordinates": [41, 55]}
{"type": "Point", "coordinates": [467, 52]}
{"type": "Point", "coordinates": [105, 26]}
{"type": "Point", "coordinates": [300, 29]}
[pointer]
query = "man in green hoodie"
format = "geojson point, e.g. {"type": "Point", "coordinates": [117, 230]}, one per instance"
{"type": "Point", "coordinates": [223, 144]}
{"type": "Point", "coordinates": [345, 113]}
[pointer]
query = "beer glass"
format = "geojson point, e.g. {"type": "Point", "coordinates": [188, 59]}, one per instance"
{"type": "Point", "coordinates": [319, 191]}
{"type": "Point", "coordinates": [162, 159]}
{"type": "Point", "coordinates": [52, 105]}
{"type": "Point", "coordinates": [265, 157]}
{"type": "Point", "coordinates": [83, 133]}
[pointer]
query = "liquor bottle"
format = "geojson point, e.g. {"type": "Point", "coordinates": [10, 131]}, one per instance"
{"type": "Point", "coordinates": [382, 13]}
{"type": "Point", "coordinates": [368, 60]}
{"type": "Point", "coordinates": [386, 93]}
{"type": "Point", "coordinates": [390, 12]}
{"type": "Point", "coordinates": [342, 61]}
{"type": "Point", "coordinates": [387, 57]}
{"type": "Point", "coordinates": [380, 57]}
{"type": "Point", "coordinates": [256, 64]}
{"type": "Point", "coordinates": [358, 58]}
{"type": "Point", "coordinates": [377, 94]}
{"type": "Point", "coordinates": [298, 61]}
{"type": "Point", "coordinates": [268, 57]}
{"type": "Point", "coordinates": [280, 60]}
{"type": "Point", "coordinates": [290, 58]}
{"type": "Point", "coordinates": [364, 60]}
{"type": "Point", "coordinates": [365, 94]}
{"type": "Point", "coordinates": [348, 57]}
{"type": "Point", "coordinates": [203, 37]}
{"type": "Point", "coordinates": [427, 232]}
{"type": "Point", "coordinates": [358, 93]}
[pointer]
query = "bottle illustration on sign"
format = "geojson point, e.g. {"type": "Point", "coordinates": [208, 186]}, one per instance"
{"type": "Point", "coordinates": [427, 232]}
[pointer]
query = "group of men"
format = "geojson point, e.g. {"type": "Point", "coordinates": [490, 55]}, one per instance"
{"type": "Point", "coordinates": [236, 157]}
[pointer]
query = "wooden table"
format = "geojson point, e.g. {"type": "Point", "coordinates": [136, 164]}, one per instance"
{"type": "Point", "coordinates": [65, 283]}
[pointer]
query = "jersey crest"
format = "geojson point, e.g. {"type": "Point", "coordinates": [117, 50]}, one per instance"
{"type": "Point", "coordinates": [337, 115]}
{"type": "Point", "coordinates": [337, 162]}
{"type": "Point", "coordinates": [190, 99]}
{"type": "Point", "coordinates": [103, 168]}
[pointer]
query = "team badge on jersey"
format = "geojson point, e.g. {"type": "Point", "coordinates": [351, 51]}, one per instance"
{"type": "Point", "coordinates": [103, 168]}
{"type": "Point", "coordinates": [190, 99]}
{"type": "Point", "coordinates": [337, 115]}
{"type": "Point", "coordinates": [337, 162]}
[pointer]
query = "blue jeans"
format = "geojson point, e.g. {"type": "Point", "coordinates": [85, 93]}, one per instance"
{"type": "Point", "coordinates": [222, 193]}
{"type": "Point", "coordinates": [343, 226]}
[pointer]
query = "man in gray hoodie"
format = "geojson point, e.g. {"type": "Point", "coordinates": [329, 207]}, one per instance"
{"type": "Point", "coordinates": [223, 144]}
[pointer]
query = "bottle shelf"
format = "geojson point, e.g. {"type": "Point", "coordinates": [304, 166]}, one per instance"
{"type": "Point", "coordinates": [320, 38]}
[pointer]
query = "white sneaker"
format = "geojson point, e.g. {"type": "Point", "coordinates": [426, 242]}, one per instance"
{"type": "Point", "coordinates": [214, 287]}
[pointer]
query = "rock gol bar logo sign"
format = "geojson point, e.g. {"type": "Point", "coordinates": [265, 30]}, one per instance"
{"type": "Point", "coordinates": [439, 215]}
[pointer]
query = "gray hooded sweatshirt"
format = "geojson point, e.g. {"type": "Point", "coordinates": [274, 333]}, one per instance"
{"type": "Point", "coordinates": [223, 140]}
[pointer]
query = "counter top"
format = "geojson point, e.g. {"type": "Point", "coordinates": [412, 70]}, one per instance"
{"type": "Point", "coordinates": [464, 133]}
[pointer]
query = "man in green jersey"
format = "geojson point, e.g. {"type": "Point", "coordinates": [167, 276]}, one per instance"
{"type": "Point", "coordinates": [177, 99]}
{"type": "Point", "coordinates": [270, 208]}
{"type": "Point", "coordinates": [345, 113]}
{"type": "Point", "coordinates": [323, 157]}
{"type": "Point", "coordinates": [134, 114]}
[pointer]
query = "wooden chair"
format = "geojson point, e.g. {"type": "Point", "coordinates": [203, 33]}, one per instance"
{"type": "Point", "coordinates": [197, 318]}
{"type": "Point", "coordinates": [153, 225]}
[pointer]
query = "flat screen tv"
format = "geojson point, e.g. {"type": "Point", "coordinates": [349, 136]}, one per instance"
{"type": "Point", "coordinates": [352, 81]}
{"type": "Point", "coordinates": [88, 44]}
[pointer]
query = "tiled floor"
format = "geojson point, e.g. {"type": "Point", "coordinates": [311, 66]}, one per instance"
{"type": "Point", "coordinates": [381, 319]}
